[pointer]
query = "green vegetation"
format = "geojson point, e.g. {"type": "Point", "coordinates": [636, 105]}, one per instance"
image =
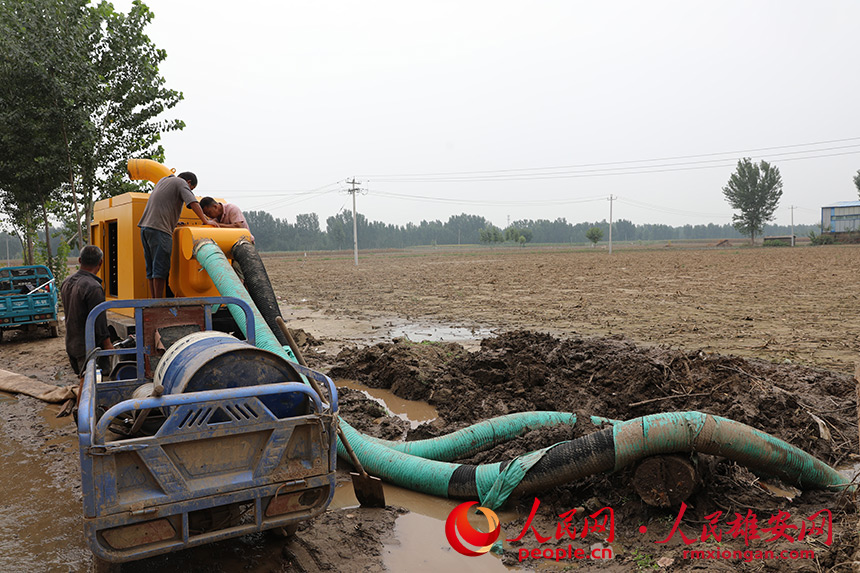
{"type": "Point", "coordinates": [821, 239]}
{"type": "Point", "coordinates": [80, 92]}
{"type": "Point", "coordinates": [280, 235]}
{"type": "Point", "coordinates": [857, 181]}
{"type": "Point", "coordinates": [754, 189]}
{"type": "Point", "coordinates": [594, 235]}
{"type": "Point", "coordinates": [643, 560]}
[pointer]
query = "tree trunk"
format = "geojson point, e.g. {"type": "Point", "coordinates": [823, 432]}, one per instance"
{"type": "Point", "coordinates": [88, 215]}
{"type": "Point", "coordinates": [74, 192]}
{"type": "Point", "coordinates": [48, 238]}
{"type": "Point", "coordinates": [29, 254]}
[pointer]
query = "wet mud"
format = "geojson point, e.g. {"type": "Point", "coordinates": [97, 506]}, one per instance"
{"type": "Point", "coordinates": [812, 409]}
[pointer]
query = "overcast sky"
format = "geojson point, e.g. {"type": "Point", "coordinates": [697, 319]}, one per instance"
{"type": "Point", "coordinates": [503, 108]}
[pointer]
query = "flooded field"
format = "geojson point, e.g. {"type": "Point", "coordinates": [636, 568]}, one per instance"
{"type": "Point", "coordinates": [425, 342]}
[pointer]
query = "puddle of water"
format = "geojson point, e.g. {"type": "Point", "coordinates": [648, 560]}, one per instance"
{"type": "Point", "coordinates": [428, 333]}
{"type": "Point", "coordinates": [419, 536]}
{"type": "Point", "coordinates": [39, 529]}
{"type": "Point", "coordinates": [421, 546]}
{"type": "Point", "coordinates": [410, 411]}
{"type": "Point", "coordinates": [851, 471]}
{"type": "Point", "coordinates": [374, 327]}
{"type": "Point", "coordinates": [4, 397]}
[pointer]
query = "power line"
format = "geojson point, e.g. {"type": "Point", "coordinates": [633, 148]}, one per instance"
{"type": "Point", "coordinates": [671, 158]}
{"type": "Point", "coordinates": [299, 197]}
{"type": "Point", "coordinates": [643, 170]}
{"type": "Point", "coordinates": [669, 210]}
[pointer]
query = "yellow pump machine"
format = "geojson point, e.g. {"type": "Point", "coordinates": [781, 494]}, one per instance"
{"type": "Point", "coordinates": [114, 229]}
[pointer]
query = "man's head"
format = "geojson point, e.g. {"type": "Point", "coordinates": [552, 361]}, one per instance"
{"type": "Point", "coordinates": [211, 208]}
{"type": "Point", "coordinates": [190, 178]}
{"type": "Point", "coordinates": [91, 258]}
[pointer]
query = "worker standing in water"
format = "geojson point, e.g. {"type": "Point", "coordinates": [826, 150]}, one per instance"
{"type": "Point", "coordinates": [160, 217]}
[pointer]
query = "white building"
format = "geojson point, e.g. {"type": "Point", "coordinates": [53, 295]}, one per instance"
{"type": "Point", "coordinates": [841, 217]}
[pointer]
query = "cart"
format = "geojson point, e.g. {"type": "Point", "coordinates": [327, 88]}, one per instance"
{"type": "Point", "coordinates": [197, 465]}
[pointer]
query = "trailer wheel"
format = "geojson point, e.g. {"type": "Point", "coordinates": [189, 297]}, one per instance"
{"type": "Point", "coordinates": [1, 334]}
{"type": "Point", "coordinates": [54, 331]}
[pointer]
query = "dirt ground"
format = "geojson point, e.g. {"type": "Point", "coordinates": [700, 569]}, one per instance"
{"type": "Point", "coordinates": [771, 303]}
{"type": "Point", "coordinates": [766, 336]}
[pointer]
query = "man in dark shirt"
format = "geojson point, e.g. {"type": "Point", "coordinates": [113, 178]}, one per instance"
{"type": "Point", "coordinates": [81, 292]}
{"type": "Point", "coordinates": [160, 217]}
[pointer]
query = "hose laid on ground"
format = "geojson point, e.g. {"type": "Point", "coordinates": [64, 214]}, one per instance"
{"type": "Point", "coordinates": [605, 450]}
{"type": "Point", "coordinates": [258, 285]}
{"type": "Point", "coordinates": [478, 437]}
{"type": "Point", "coordinates": [610, 449]}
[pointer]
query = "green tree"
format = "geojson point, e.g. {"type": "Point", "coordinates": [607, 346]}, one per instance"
{"type": "Point", "coordinates": [512, 234]}
{"type": "Point", "coordinates": [857, 181]}
{"type": "Point", "coordinates": [754, 189]}
{"type": "Point", "coordinates": [492, 234]}
{"type": "Point", "coordinates": [594, 234]}
{"type": "Point", "coordinates": [83, 78]}
{"type": "Point", "coordinates": [125, 114]}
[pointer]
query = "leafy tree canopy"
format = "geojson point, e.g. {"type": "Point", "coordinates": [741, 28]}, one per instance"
{"type": "Point", "coordinates": [594, 234]}
{"type": "Point", "coordinates": [80, 93]}
{"type": "Point", "coordinates": [754, 189]}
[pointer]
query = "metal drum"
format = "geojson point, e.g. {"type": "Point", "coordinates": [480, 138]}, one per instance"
{"type": "Point", "coordinates": [212, 360]}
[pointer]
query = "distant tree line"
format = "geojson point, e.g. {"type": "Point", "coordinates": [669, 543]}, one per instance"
{"type": "Point", "coordinates": [307, 234]}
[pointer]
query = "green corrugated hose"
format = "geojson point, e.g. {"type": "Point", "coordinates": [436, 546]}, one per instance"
{"type": "Point", "coordinates": [424, 465]}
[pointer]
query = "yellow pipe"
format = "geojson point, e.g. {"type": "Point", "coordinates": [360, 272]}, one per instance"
{"type": "Point", "coordinates": [148, 169]}
{"type": "Point", "coordinates": [225, 238]}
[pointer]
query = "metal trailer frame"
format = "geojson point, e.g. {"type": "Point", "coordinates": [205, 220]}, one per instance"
{"type": "Point", "coordinates": [217, 451]}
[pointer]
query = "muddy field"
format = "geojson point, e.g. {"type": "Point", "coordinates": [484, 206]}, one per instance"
{"type": "Point", "coordinates": [771, 303]}
{"type": "Point", "coordinates": [767, 337]}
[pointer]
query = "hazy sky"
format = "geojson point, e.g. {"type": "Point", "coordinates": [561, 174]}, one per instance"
{"type": "Point", "coordinates": [503, 108]}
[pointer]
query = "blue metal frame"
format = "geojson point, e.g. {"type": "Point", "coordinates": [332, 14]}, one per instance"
{"type": "Point", "coordinates": [215, 448]}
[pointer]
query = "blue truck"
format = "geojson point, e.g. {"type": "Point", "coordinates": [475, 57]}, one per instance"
{"type": "Point", "coordinates": [28, 299]}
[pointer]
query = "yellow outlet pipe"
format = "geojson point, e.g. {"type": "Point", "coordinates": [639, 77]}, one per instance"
{"type": "Point", "coordinates": [147, 169]}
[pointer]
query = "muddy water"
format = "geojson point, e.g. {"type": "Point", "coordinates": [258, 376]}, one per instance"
{"type": "Point", "coordinates": [438, 333]}
{"type": "Point", "coordinates": [40, 520]}
{"type": "Point", "coordinates": [367, 328]}
{"type": "Point", "coordinates": [413, 412]}
{"type": "Point", "coordinates": [419, 536]}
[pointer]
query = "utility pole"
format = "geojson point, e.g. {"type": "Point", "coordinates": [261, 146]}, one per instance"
{"type": "Point", "coordinates": [792, 224]}
{"type": "Point", "coordinates": [352, 191]}
{"type": "Point", "coordinates": [611, 198]}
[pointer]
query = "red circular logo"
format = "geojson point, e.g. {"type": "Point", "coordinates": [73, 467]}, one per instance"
{"type": "Point", "coordinates": [460, 532]}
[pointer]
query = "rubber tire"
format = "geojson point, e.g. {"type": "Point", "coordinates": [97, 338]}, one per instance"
{"type": "Point", "coordinates": [54, 331]}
